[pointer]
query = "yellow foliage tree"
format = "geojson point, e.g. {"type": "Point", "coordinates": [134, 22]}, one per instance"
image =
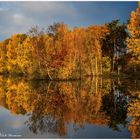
{"type": "Point", "coordinates": [133, 41]}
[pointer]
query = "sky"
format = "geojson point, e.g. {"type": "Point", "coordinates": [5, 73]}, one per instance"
{"type": "Point", "coordinates": [19, 17]}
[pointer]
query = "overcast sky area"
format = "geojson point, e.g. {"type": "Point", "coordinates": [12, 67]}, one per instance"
{"type": "Point", "coordinates": [19, 17]}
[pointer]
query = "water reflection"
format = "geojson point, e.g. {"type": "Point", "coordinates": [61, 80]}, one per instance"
{"type": "Point", "coordinates": [52, 106]}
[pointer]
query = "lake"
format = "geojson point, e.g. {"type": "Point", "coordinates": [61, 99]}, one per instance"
{"type": "Point", "coordinates": [89, 108]}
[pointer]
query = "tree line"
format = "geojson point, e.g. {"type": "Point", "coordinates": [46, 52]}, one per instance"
{"type": "Point", "coordinates": [61, 53]}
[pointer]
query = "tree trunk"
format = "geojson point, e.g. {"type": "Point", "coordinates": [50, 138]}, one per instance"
{"type": "Point", "coordinates": [101, 65]}
{"type": "Point", "coordinates": [96, 65]}
{"type": "Point", "coordinates": [96, 85]}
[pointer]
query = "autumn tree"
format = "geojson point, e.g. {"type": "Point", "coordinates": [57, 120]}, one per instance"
{"type": "Point", "coordinates": [12, 53]}
{"type": "Point", "coordinates": [133, 41]}
{"type": "Point", "coordinates": [62, 51]}
{"type": "Point", "coordinates": [25, 56]}
{"type": "Point", "coordinates": [93, 47]}
{"type": "Point", "coordinates": [3, 57]}
{"type": "Point", "coordinates": [78, 55]}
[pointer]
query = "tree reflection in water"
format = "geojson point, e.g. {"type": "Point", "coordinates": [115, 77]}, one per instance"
{"type": "Point", "coordinates": [51, 106]}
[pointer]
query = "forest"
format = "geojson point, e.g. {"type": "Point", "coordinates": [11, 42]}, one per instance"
{"type": "Point", "coordinates": [62, 53]}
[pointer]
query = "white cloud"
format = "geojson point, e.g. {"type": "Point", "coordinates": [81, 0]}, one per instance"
{"type": "Point", "coordinates": [20, 16]}
{"type": "Point", "coordinates": [21, 20]}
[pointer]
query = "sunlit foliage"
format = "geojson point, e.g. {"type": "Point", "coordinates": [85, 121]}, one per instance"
{"type": "Point", "coordinates": [133, 41]}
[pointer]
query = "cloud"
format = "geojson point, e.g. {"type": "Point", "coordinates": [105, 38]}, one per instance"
{"type": "Point", "coordinates": [19, 17]}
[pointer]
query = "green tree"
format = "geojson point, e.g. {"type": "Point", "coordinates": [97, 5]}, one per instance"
{"type": "Point", "coordinates": [114, 43]}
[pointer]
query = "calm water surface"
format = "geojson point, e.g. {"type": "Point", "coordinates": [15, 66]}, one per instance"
{"type": "Point", "coordinates": [90, 108]}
